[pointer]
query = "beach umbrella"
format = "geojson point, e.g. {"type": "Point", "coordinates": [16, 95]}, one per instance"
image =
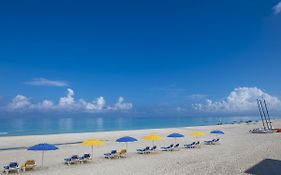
{"type": "Point", "coordinates": [92, 143]}
{"type": "Point", "coordinates": [126, 140]}
{"type": "Point", "coordinates": [153, 137]}
{"type": "Point", "coordinates": [218, 132]}
{"type": "Point", "coordinates": [43, 147]}
{"type": "Point", "coordinates": [175, 136]}
{"type": "Point", "coordinates": [197, 134]}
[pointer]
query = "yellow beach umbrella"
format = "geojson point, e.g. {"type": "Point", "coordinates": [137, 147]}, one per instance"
{"type": "Point", "coordinates": [92, 143]}
{"type": "Point", "coordinates": [197, 134]}
{"type": "Point", "coordinates": [153, 137]}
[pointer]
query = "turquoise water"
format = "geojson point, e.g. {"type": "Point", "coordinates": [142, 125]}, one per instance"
{"type": "Point", "coordinates": [52, 125]}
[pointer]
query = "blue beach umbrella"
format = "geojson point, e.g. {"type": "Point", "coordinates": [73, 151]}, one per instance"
{"type": "Point", "coordinates": [43, 147]}
{"type": "Point", "coordinates": [126, 140]}
{"type": "Point", "coordinates": [219, 132]}
{"type": "Point", "coordinates": [175, 136]}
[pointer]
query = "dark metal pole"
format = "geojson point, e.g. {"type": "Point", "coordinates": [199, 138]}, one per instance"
{"type": "Point", "coordinates": [267, 114]}
{"type": "Point", "coordinates": [262, 108]}
{"type": "Point", "coordinates": [260, 113]}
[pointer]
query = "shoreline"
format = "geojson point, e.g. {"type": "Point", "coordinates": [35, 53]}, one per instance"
{"type": "Point", "coordinates": [46, 134]}
{"type": "Point", "coordinates": [27, 126]}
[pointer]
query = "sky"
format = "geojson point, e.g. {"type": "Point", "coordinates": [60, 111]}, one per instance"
{"type": "Point", "coordinates": [139, 57]}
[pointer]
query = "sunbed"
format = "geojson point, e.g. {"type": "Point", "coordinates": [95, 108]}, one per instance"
{"type": "Point", "coordinates": [209, 142]}
{"type": "Point", "coordinates": [122, 153]}
{"type": "Point", "coordinates": [167, 148]}
{"type": "Point", "coordinates": [175, 147]}
{"type": "Point", "coordinates": [143, 150]}
{"type": "Point", "coordinates": [13, 166]}
{"type": "Point", "coordinates": [28, 165]}
{"type": "Point", "coordinates": [85, 158]}
{"type": "Point", "coordinates": [153, 149]}
{"type": "Point", "coordinates": [216, 141]}
{"type": "Point", "coordinates": [112, 154]}
{"type": "Point", "coordinates": [72, 160]}
{"type": "Point", "coordinates": [197, 144]}
{"type": "Point", "coordinates": [192, 145]}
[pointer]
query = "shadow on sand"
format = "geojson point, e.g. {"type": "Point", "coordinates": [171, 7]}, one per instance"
{"type": "Point", "coordinates": [266, 167]}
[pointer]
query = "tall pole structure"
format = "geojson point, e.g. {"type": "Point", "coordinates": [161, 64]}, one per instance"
{"type": "Point", "coordinates": [258, 103]}
{"type": "Point", "coordinates": [263, 111]}
{"type": "Point", "coordinates": [267, 114]}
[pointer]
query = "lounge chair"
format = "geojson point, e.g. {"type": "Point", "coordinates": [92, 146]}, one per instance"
{"type": "Point", "coordinates": [209, 142]}
{"type": "Point", "coordinates": [85, 158]}
{"type": "Point", "coordinates": [13, 166]}
{"type": "Point", "coordinates": [192, 145]}
{"type": "Point", "coordinates": [167, 148]}
{"type": "Point", "coordinates": [143, 150]}
{"type": "Point", "coordinates": [216, 141]}
{"type": "Point", "coordinates": [112, 154]}
{"type": "Point", "coordinates": [197, 144]}
{"type": "Point", "coordinates": [175, 147]}
{"type": "Point", "coordinates": [28, 165]}
{"type": "Point", "coordinates": [153, 149]}
{"type": "Point", "coordinates": [72, 160]}
{"type": "Point", "coordinates": [122, 153]}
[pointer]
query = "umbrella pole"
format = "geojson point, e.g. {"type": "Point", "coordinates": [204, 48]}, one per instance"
{"type": "Point", "coordinates": [126, 146]}
{"type": "Point", "coordinates": [42, 158]}
{"type": "Point", "coordinates": [92, 150]}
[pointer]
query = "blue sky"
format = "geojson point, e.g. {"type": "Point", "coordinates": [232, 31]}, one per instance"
{"type": "Point", "coordinates": [158, 55]}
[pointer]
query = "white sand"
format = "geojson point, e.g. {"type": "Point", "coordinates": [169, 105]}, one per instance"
{"type": "Point", "coordinates": [238, 151]}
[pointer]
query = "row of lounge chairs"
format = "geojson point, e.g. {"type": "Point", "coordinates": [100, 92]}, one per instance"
{"type": "Point", "coordinates": [116, 154]}
{"type": "Point", "coordinates": [30, 164]}
{"type": "Point", "coordinates": [171, 147]}
{"type": "Point", "coordinates": [14, 166]}
{"type": "Point", "coordinates": [261, 131]}
{"type": "Point", "coordinates": [78, 159]}
{"type": "Point", "coordinates": [146, 150]}
{"type": "Point", "coordinates": [192, 145]}
{"type": "Point", "coordinates": [212, 142]}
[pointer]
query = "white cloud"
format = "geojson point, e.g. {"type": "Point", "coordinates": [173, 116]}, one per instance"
{"type": "Point", "coordinates": [67, 103]}
{"type": "Point", "coordinates": [122, 105]}
{"type": "Point", "coordinates": [97, 105]}
{"type": "Point", "coordinates": [46, 82]}
{"type": "Point", "coordinates": [277, 8]}
{"type": "Point", "coordinates": [19, 102]}
{"type": "Point", "coordinates": [68, 100]}
{"type": "Point", "coordinates": [45, 105]}
{"type": "Point", "coordinates": [100, 103]}
{"type": "Point", "coordinates": [241, 99]}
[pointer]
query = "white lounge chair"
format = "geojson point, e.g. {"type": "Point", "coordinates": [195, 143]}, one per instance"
{"type": "Point", "coordinates": [13, 166]}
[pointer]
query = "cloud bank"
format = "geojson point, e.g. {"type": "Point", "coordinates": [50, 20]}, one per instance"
{"type": "Point", "coordinates": [46, 82]}
{"type": "Point", "coordinates": [241, 99]}
{"type": "Point", "coordinates": [67, 103]}
{"type": "Point", "coordinates": [277, 8]}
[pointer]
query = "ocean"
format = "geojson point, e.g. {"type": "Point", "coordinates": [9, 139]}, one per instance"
{"type": "Point", "coordinates": [51, 125]}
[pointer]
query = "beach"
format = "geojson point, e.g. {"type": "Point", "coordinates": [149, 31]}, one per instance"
{"type": "Point", "coordinates": [237, 152]}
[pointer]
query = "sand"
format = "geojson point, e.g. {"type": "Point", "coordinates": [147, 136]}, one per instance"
{"type": "Point", "coordinates": [237, 152]}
